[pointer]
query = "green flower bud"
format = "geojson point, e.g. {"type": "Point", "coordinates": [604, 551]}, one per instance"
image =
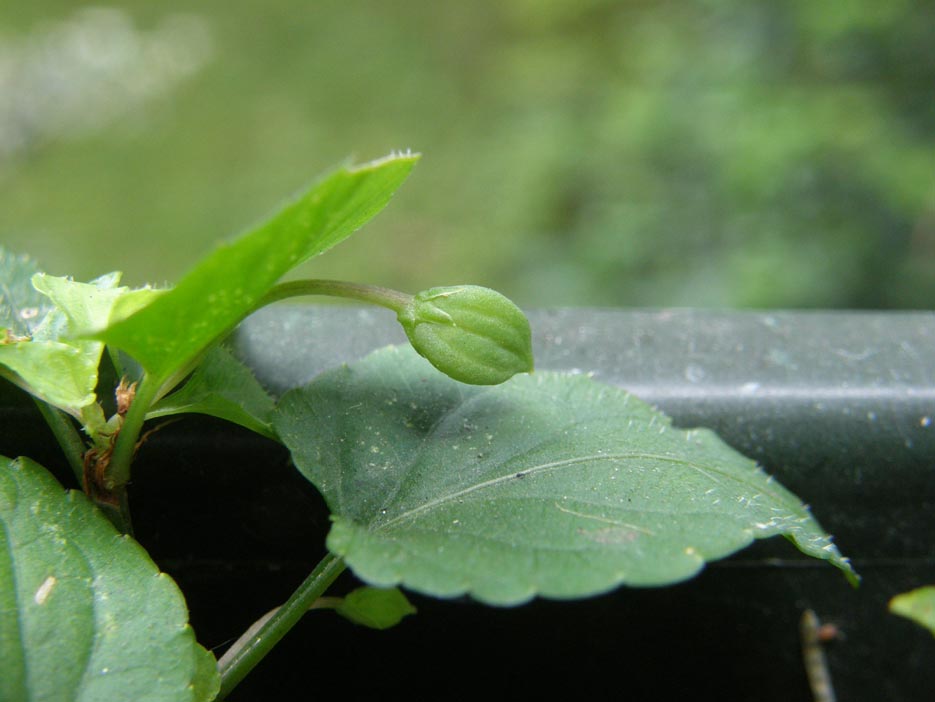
{"type": "Point", "coordinates": [472, 334]}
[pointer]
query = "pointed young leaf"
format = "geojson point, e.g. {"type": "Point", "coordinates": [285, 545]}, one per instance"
{"type": "Point", "coordinates": [548, 484]}
{"type": "Point", "coordinates": [170, 333]}
{"type": "Point", "coordinates": [84, 613]}
{"type": "Point", "coordinates": [376, 608]}
{"type": "Point", "coordinates": [222, 386]}
{"type": "Point", "coordinates": [83, 304]}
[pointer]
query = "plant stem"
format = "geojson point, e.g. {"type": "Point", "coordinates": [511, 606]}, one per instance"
{"type": "Point", "coordinates": [384, 297]}
{"type": "Point", "coordinates": [67, 436]}
{"type": "Point", "coordinates": [118, 472]}
{"type": "Point", "coordinates": [236, 666]}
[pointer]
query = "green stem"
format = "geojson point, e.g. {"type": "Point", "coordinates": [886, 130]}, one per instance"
{"type": "Point", "coordinates": [236, 667]}
{"type": "Point", "coordinates": [149, 389]}
{"type": "Point", "coordinates": [67, 435]}
{"type": "Point", "coordinates": [119, 513]}
{"type": "Point", "coordinates": [384, 297]}
{"type": "Point", "coordinates": [118, 471]}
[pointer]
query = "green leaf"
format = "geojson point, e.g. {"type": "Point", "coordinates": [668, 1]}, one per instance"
{"type": "Point", "coordinates": [376, 608]}
{"type": "Point", "coordinates": [84, 613]}
{"type": "Point", "coordinates": [917, 605]}
{"type": "Point", "coordinates": [170, 333]}
{"type": "Point", "coordinates": [78, 306]}
{"type": "Point", "coordinates": [82, 304]}
{"type": "Point", "coordinates": [549, 484]}
{"type": "Point", "coordinates": [40, 318]}
{"type": "Point", "coordinates": [22, 307]}
{"type": "Point", "coordinates": [222, 386]}
{"type": "Point", "coordinates": [51, 363]}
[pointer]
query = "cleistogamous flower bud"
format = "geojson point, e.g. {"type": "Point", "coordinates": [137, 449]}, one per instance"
{"type": "Point", "coordinates": [472, 334]}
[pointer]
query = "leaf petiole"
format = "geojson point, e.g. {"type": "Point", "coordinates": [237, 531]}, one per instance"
{"type": "Point", "coordinates": [233, 668]}
{"type": "Point", "coordinates": [67, 436]}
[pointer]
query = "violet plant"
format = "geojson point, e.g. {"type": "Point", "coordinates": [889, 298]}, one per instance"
{"type": "Point", "coordinates": [476, 477]}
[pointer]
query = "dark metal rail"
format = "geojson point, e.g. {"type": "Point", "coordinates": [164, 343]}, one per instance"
{"type": "Point", "coordinates": [839, 406]}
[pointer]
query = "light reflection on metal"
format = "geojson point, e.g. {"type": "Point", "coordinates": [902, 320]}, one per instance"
{"type": "Point", "coordinates": [811, 394]}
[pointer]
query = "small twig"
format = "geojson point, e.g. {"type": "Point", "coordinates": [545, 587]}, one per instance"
{"type": "Point", "coordinates": [813, 655]}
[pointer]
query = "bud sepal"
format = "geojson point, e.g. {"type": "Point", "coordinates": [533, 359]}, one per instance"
{"type": "Point", "coordinates": [470, 333]}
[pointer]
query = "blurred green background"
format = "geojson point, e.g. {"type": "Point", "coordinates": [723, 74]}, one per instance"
{"type": "Point", "coordinates": [748, 153]}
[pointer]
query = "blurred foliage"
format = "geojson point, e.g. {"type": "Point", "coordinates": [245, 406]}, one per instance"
{"type": "Point", "coordinates": [721, 152]}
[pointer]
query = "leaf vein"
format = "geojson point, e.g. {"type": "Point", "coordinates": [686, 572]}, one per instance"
{"type": "Point", "coordinates": [536, 470]}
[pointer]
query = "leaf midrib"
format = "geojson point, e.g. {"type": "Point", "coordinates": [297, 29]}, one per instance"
{"type": "Point", "coordinates": [548, 467]}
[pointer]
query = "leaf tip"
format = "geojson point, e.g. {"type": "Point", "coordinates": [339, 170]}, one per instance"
{"type": "Point", "coordinates": [405, 157]}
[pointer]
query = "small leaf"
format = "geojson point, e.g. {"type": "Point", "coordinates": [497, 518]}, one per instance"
{"type": "Point", "coordinates": [376, 608]}
{"type": "Point", "coordinates": [58, 373]}
{"type": "Point", "coordinates": [472, 334]}
{"type": "Point", "coordinates": [83, 304]}
{"type": "Point", "coordinates": [917, 605]}
{"type": "Point", "coordinates": [222, 386]}
{"type": "Point", "coordinates": [53, 363]}
{"type": "Point", "coordinates": [22, 309]}
{"type": "Point", "coordinates": [84, 613]}
{"type": "Point", "coordinates": [169, 333]}
{"type": "Point", "coordinates": [547, 484]}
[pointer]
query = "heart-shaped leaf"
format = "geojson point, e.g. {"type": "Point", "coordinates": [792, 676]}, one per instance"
{"type": "Point", "coordinates": [84, 613]}
{"type": "Point", "coordinates": [548, 484]}
{"type": "Point", "coordinates": [208, 302]}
